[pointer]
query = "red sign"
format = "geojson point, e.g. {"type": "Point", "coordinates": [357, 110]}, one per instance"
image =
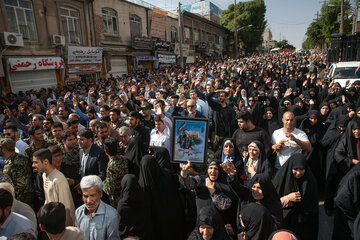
{"type": "Point", "coordinates": [34, 64]}
{"type": "Point", "coordinates": [84, 68]}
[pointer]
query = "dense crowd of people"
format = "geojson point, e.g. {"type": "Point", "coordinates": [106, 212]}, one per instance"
{"type": "Point", "coordinates": [94, 160]}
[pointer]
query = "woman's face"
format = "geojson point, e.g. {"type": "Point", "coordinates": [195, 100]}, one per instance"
{"type": "Point", "coordinates": [276, 94]}
{"type": "Point", "coordinates": [313, 121]}
{"type": "Point", "coordinates": [324, 110]}
{"type": "Point", "coordinates": [298, 172]}
{"type": "Point", "coordinates": [206, 231]}
{"type": "Point", "coordinates": [253, 152]}
{"type": "Point", "coordinates": [257, 192]}
{"type": "Point", "coordinates": [213, 172]}
{"type": "Point", "coordinates": [269, 115]}
{"type": "Point", "coordinates": [228, 149]}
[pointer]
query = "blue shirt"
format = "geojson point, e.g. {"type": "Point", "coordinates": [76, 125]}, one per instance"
{"type": "Point", "coordinates": [102, 226]}
{"type": "Point", "coordinates": [14, 224]}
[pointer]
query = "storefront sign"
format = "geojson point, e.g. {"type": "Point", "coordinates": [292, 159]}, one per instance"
{"type": "Point", "coordinates": [72, 81]}
{"type": "Point", "coordinates": [142, 43]}
{"type": "Point", "coordinates": [166, 57]}
{"type": "Point", "coordinates": [145, 58]}
{"type": "Point", "coordinates": [34, 64]}
{"type": "Point", "coordinates": [163, 46]}
{"type": "Point", "coordinates": [84, 68]}
{"type": "Point", "coordinates": [84, 55]}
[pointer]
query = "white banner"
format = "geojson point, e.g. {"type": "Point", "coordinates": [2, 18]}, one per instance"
{"type": "Point", "coordinates": [84, 55]}
{"type": "Point", "coordinates": [34, 64]}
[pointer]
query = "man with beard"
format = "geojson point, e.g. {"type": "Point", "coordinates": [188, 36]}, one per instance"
{"type": "Point", "coordinates": [47, 124]}
{"type": "Point", "coordinates": [102, 134]}
{"type": "Point", "coordinates": [140, 131]}
{"type": "Point", "coordinates": [37, 137]}
{"type": "Point", "coordinates": [223, 118]}
{"type": "Point", "coordinates": [10, 131]}
{"type": "Point", "coordinates": [147, 119]}
{"type": "Point", "coordinates": [12, 223]}
{"type": "Point", "coordinates": [93, 159]}
{"type": "Point", "coordinates": [116, 122]}
{"type": "Point", "coordinates": [57, 130]}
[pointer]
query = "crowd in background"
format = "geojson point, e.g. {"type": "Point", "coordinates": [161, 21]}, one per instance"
{"type": "Point", "coordinates": [94, 160]}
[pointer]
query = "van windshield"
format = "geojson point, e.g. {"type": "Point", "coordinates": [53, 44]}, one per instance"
{"type": "Point", "coordinates": [345, 73]}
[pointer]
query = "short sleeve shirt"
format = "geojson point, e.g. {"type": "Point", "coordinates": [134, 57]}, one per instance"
{"type": "Point", "coordinates": [290, 147]}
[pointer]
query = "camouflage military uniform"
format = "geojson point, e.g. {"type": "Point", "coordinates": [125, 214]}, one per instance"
{"type": "Point", "coordinates": [4, 178]}
{"type": "Point", "coordinates": [48, 136]}
{"type": "Point", "coordinates": [99, 143]}
{"type": "Point", "coordinates": [118, 125]}
{"type": "Point", "coordinates": [116, 170]}
{"type": "Point", "coordinates": [148, 124]}
{"type": "Point", "coordinates": [29, 150]}
{"type": "Point", "coordinates": [70, 158]}
{"type": "Point", "coordinates": [18, 168]}
{"type": "Point", "coordinates": [54, 142]}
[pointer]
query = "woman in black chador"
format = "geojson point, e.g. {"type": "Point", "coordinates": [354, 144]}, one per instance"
{"type": "Point", "coordinates": [297, 189]}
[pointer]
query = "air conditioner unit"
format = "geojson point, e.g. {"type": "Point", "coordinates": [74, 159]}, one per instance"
{"type": "Point", "coordinates": [10, 39]}
{"type": "Point", "coordinates": [57, 40]}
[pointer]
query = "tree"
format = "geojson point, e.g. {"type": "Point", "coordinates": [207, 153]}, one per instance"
{"type": "Point", "coordinates": [281, 43]}
{"type": "Point", "coordinates": [320, 30]}
{"type": "Point", "coordinates": [250, 21]}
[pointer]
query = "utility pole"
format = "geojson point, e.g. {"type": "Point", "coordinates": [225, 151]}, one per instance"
{"type": "Point", "coordinates": [235, 32]}
{"type": "Point", "coordinates": [180, 36]}
{"type": "Point", "coordinates": [355, 16]}
{"type": "Point", "coordinates": [342, 17]}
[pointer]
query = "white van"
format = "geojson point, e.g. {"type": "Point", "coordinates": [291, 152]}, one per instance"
{"type": "Point", "coordinates": [343, 71]}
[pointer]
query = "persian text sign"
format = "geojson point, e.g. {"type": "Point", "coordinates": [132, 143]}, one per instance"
{"type": "Point", "coordinates": [32, 64]}
{"type": "Point", "coordinates": [84, 68]}
{"type": "Point", "coordinates": [166, 57]}
{"type": "Point", "coordinates": [84, 55]}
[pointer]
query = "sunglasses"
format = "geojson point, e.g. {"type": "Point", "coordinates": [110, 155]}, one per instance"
{"type": "Point", "coordinates": [7, 134]}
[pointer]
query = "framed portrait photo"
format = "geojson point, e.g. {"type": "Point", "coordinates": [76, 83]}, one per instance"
{"type": "Point", "coordinates": [190, 137]}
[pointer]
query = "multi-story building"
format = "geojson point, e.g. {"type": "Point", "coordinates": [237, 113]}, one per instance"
{"type": "Point", "coordinates": [45, 43]}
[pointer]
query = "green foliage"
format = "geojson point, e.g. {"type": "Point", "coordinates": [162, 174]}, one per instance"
{"type": "Point", "coordinates": [320, 29]}
{"type": "Point", "coordinates": [281, 43]}
{"type": "Point", "coordinates": [247, 13]}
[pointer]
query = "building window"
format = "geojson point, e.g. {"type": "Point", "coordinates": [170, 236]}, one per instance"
{"type": "Point", "coordinates": [173, 31]}
{"type": "Point", "coordinates": [210, 38]}
{"type": "Point", "coordinates": [217, 39]}
{"type": "Point", "coordinates": [187, 34]}
{"type": "Point", "coordinates": [70, 20]}
{"type": "Point", "coordinates": [196, 35]}
{"type": "Point", "coordinates": [110, 21]}
{"type": "Point", "coordinates": [21, 18]}
{"type": "Point", "coordinates": [135, 26]}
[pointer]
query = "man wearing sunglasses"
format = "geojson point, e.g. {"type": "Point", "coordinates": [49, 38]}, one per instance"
{"type": "Point", "coordinates": [191, 111]}
{"type": "Point", "coordinates": [10, 131]}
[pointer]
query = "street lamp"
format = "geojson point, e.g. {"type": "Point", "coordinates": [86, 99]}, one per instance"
{"type": "Point", "coordinates": [250, 25]}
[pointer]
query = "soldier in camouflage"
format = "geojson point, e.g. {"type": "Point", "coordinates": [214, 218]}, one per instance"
{"type": "Point", "coordinates": [115, 117]}
{"type": "Point", "coordinates": [47, 124]}
{"type": "Point", "coordinates": [38, 142]}
{"type": "Point", "coordinates": [117, 168]}
{"type": "Point", "coordinates": [69, 148]}
{"type": "Point", "coordinates": [19, 170]}
{"type": "Point", "coordinates": [57, 130]}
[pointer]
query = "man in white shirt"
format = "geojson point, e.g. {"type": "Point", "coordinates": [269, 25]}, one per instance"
{"type": "Point", "coordinates": [10, 131]}
{"type": "Point", "coordinates": [288, 140]}
{"type": "Point", "coordinates": [160, 135]}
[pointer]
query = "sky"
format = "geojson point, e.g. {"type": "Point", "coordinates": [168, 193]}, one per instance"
{"type": "Point", "coordinates": [287, 19]}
